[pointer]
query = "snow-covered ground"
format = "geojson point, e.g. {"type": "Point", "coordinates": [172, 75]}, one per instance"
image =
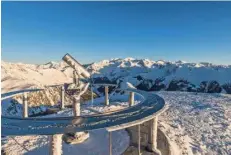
{"type": "Point", "coordinates": [97, 144]}
{"type": "Point", "coordinates": [198, 123]}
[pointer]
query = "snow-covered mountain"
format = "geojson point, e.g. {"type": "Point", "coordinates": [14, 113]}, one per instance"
{"type": "Point", "coordinates": [20, 76]}
{"type": "Point", "coordinates": [145, 74]}
{"type": "Point", "coordinates": [163, 75]}
{"type": "Point", "coordinates": [204, 130]}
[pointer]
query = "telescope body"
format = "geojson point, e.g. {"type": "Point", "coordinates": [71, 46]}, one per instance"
{"type": "Point", "coordinates": [76, 66]}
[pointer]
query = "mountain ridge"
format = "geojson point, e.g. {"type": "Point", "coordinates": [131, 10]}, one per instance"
{"type": "Point", "coordinates": [145, 74]}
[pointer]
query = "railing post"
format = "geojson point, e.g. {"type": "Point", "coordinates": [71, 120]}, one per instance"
{"type": "Point", "coordinates": [62, 97]}
{"type": "Point", "coordinates": [152, 136]}
{"type": "Point", "coordinates": [138, 140]}
{"type": "Point", "coordinates": [25, 105]}
{"type": "Point", "coordinates": [106, 95]}
{"type": "Point", "coordinates": [55, 142]}
{"type": "Point", "coordinates": [131, 98]}
{"type": "Point", "coordinates": [55, 147]}
{"type": "Point", "coordinates": [76, 106]}
{"type": "Point", "coordinates": [110, 143]}
{"type": "Point", "coordinates": [76, 137]}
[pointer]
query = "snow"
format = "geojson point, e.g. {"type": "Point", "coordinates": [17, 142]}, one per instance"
{"type": "Point", "coordinates": [14, 109]}
{"type": "Point", "coordinates": [16, 76]}
{"type": "Point", "coordinates": [198, 123]}
{"type": "Point", "coordinates": [149, 69]}
{"type": "Point", "coordinates": [97, 144]}
{"type": "Point", "coordinates": [195, 123]}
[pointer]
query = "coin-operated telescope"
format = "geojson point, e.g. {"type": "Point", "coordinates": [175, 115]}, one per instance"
{"type": "Point", "coordinates": [79, 72]}
{"type": "Point", "coordinates": [79, 86]}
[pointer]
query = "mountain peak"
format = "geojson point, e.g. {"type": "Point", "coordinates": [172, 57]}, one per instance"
{"type": "Point", "coordinates": [129, 59]}
{"type": "Point", "coordinates": [180, 62]}
{"type": "Point", "coordinates": [51, 63]}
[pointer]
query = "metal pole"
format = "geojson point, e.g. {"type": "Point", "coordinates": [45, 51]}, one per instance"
{"type": "Point", "coordinates": [131, 98]}
{"type": "Point", "coordinates": [152, 136]}
{"type": "Point", "coordinates": [55, 147]}
{"type": "Point", "coordinates": [25, 106]}
{"type": "Point", "coordinates": [110, 143]}
{"type": "Point", "coordinates": [76, 106]}
{"type": "Point", "coordinates": [76, 112]}
{"type": "Point", "coordinates": [62, 97]}
{"type": "Point", "coordinates": [106, 95]}
{"type": "Point", "coordinates": [139, 152]}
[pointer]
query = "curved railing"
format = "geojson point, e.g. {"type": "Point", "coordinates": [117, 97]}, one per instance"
{"type": "Point", "coordinates": [134, 115]}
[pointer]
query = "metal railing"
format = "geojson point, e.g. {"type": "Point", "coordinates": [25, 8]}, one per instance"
{"type": "Point", "coordinates": [133, 115]}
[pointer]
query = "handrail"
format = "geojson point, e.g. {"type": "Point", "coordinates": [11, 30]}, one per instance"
{"type": "Point", "coordinates": [18, 92]}
{"type": "Point", "coordinates": [149, 108]}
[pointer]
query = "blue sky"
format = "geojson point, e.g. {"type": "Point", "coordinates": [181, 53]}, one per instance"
{"type": "Point", "coordinates": [38, 32]}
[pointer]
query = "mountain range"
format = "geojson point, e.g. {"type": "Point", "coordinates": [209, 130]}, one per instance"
{"type": "Point", "coordinates": [144, 74]}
